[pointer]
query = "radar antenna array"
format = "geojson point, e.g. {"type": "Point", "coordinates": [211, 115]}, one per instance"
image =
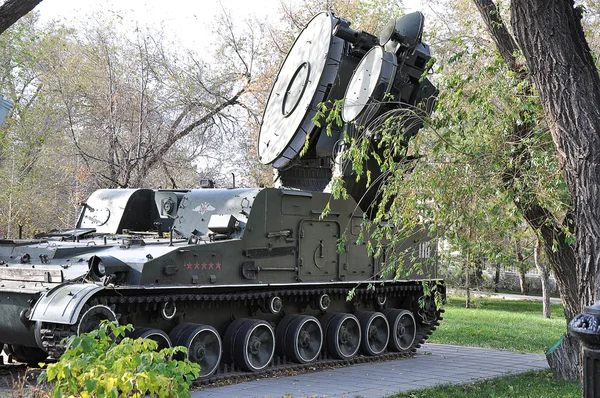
{"type": "Point", "coordinates": [374, 76]}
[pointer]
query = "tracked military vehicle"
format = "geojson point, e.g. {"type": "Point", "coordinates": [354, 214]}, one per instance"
{"type": "Point", "coordinates": [249, 278]}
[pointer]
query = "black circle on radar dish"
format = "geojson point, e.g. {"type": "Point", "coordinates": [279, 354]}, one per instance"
{"type": "Point", "coordinates": [309, 68]}
{"type": "Point", "coordinates": [295, 89]}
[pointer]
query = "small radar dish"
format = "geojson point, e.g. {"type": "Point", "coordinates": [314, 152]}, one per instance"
{"type": "Point", "coordinates": [309, 69]}
{"type": "Point", "coordinates": [369, 84]}
{"type": "Point", "coordinates": [406, 30]}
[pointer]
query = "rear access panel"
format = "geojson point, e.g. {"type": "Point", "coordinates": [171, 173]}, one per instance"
{"type": "Point", "coordinates": [318, 258]}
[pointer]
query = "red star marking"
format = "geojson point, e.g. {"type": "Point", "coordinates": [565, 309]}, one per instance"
{"type": "Point", "coordinates": [203, 265]}
{"type": "Point", "coordinates": [197, 266]}
{"type": "Point", "coordinates": [189, 265]}
{"type": "Point", "coordinates": [210, 265]}
{"type": "Point", "coordinates": [218, 265]}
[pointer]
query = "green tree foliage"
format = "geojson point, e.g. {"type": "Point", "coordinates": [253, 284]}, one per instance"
{"type": "Point", "coordinates": [137, 109]}
{"type": "Point", "coordinates": [36, 182]}
{"type": "Point", "coordinates": [105, 363]}
{"type": "Point", "coordinates": [368, 15]}
{"type": "Point", "coordinates": [106, 106]}
{"type": "Point", "coordinates": [488, 153]}
{"type": "Point", "coordinates": [466, 177]}
{"type": "Point", "coordinates": [489, 118]}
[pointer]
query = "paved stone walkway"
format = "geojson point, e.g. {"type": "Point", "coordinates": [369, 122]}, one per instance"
{"type": "Point", "coordinates": [434, 364]}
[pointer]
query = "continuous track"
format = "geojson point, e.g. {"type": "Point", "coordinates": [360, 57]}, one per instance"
{"type": "Point", "coordinates": [124, 305]}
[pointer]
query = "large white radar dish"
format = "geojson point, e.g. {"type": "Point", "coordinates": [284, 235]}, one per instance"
{"type": "Point", "coordinates": [309, 69]}
{"type": "Point", "coordinates": [371, 81]}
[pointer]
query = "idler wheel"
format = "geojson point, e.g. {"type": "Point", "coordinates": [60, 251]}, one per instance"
{"type": "Point", "coordinates": [91, 318]}
{"type": "Point", "coordinates": [203, 344]}
{"type": "Point", "coordinates": [273, 305]}
{"type": "Point", "coordinates": [300, 338]}
{"type": "Point", "coordinates": [375, 332]}
{"type": "Point", "coordinates": [25, 354]}
{"type": "Point", "coordinates": [250, 344]}
{"type": "Point", "coordinates": [403, 329]}
{"type": "Point", "coordinates": [342, 334]}
{"type": "Point", "coordinates": [157, 335]}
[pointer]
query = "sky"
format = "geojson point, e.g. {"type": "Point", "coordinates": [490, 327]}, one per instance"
{"type": "Point", "coordinates": [188, 22]}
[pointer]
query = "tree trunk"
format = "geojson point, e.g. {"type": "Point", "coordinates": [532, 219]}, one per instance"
{"type": "Point", "coordinates": [497, 278]}
{"type": "Point", "coordinates": [561, 65]}
{"type": "Point", "coordinates": [12, 10]}
{"type": "Point", "coordinates": [523, 281]}
{"type": "Point", "coordinates": [468, 272]}
{"type": "Point", "coordinates": [560, 62]}
{"type": "Point", "coordinates": [522, 268]}
{"type": "Point", "coordinates": [555, 237]}
{"type": "Point", "coordinates": [468, 284]}
{"type": "Point", "coordinates": [544, 277]}
{"type": "Point", "coordinates": [563, 359]}
{"type": "Point", "coordinates": [545, 280]}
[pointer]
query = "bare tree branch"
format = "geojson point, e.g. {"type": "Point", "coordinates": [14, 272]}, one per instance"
{"type": "Point", "coordinates": [505, 43]}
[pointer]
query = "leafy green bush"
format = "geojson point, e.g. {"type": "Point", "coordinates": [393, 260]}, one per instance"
{"type": "Point", "coordinates": [105, 363]}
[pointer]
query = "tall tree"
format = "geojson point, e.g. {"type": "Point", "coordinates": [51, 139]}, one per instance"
{"type": "Point", "coordinates": [96, 108]}
{"type": "Point", "coordinates": [555, 235]}
{"type": "Point", "coordinates": [561, 65]}
{"type": "Point", "coordinates": [136, 109]}
{"type": "Point", "coordinates": [489, 122]}
{"type": "Point", "coordinates": [37, 180]}
{"type": "Point", "coordinates": [544, 271]}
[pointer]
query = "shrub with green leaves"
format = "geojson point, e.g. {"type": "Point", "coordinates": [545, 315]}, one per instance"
{"type": "Point", "coordinates": [105, 363]}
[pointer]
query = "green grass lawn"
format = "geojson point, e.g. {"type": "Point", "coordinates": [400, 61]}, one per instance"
{"type": "Point", "coordinates": [499, 324]}
{"type": "Point", "coordinates": [527, 385]}
{"type": "Point", "coordinates": [505, 325]}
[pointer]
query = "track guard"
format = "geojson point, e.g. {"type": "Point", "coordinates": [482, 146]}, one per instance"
{"type": "Point", "coordinates": [64, 303]}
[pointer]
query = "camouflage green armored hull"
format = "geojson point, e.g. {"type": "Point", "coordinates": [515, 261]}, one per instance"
{"type": "Point", "coordinates": [246, 278]}
{"type": "Point", "coordinates": [260, 255]}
